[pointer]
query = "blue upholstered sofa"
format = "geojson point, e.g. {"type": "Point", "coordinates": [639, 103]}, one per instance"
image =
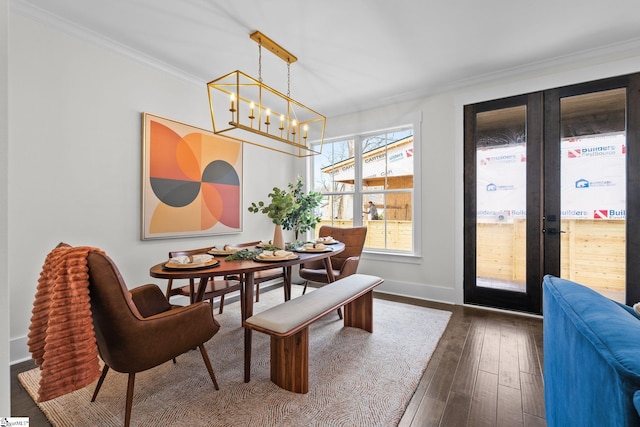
{"type": "Point", "coordinates": [591, 358]}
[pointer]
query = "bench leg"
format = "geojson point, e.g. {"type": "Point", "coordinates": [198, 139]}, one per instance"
{"type": "Point", "coordinates": [290, 361]}
{"type": "Point", "coordinates": [359, 312]}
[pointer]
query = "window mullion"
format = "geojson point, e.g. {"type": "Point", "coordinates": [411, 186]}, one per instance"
{"type": "Point", "coordinates": [357, 196]}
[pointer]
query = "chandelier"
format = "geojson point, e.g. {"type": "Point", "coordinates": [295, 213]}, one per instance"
{"type": "Point", "coordinates": [246, 109]}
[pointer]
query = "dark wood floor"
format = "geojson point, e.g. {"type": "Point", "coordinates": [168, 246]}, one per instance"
{"type": "Point", "coordinates": [486, 371]}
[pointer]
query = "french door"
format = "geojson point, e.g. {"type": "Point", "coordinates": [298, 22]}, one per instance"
{"type": "Point", "coordinates": [552, 186]}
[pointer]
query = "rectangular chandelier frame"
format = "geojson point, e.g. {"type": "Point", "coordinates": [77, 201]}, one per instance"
{"type": "Point", "coordinates": [246, 109]}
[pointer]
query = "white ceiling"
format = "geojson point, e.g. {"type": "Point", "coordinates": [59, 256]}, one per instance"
{"type": "Point", "coordinates": [353, 54]}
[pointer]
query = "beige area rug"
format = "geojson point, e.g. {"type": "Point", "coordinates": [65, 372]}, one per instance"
{"type": "Point", "coordinates": [355, 378]}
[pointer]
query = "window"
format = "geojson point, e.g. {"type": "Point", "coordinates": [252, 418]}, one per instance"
{"type": "Point", "coordinates": [368, 179]}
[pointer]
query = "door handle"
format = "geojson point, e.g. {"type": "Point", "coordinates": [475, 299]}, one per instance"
{"type": "Point", "coordinates": [552, 231]}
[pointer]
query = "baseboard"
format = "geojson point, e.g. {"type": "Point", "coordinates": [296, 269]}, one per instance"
{"type": "Point", "coordinates": [421, 291]}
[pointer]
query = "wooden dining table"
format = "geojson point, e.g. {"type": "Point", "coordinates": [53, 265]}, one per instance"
{"type": "Point", "coordinates": [246, 268]}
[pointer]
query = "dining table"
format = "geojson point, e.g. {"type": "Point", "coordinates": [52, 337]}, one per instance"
{"type": "Point", "coordinates": [246, 268]}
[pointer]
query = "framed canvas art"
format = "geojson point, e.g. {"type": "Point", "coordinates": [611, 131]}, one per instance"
{"type": "Point", "coordinates": [191, 181]}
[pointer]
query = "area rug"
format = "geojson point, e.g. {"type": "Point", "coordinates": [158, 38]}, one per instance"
{"type": "Point", "coordinates": [355, 378]}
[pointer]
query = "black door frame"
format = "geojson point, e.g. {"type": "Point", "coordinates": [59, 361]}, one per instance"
{"type": "Point", "coordinates": [543, 195]}
{"type": "Point", "coordinates": [552, 173]}
{"type": "Point", "coordinates": [529, 301]}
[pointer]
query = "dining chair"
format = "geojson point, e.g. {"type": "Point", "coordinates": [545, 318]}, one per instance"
{"type": "Point", "coordinates": [216, 287]}
{"type": "Point", "coordinates": [260, 276]}
{"type": "Point", "coordinates": [343, 264]}
{"type": "Point", "coordinates": [139, 329]}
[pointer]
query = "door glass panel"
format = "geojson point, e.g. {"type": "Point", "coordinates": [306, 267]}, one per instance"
{"type": "Point", "coordinates": [593, 191]}
{"type": "Point", "coordinates": [501, 199]}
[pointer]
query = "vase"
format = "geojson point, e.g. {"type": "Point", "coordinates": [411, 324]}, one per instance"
{"type": "Point", "coordinates": [278, 240]}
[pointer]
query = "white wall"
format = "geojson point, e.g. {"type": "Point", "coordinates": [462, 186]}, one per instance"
{"type": "Point", "coordinates": [4, 184]}
{"type": "Point", "coordinates": [75, 159]}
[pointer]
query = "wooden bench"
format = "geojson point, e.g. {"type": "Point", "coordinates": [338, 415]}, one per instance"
{"type": "Point", "coordinates": [288, 325]}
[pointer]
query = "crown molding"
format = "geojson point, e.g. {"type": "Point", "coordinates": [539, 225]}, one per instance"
{"type": "Point", "coordinates": [611, 52]}
{"type": "Point", "coordinates": [42, 16]}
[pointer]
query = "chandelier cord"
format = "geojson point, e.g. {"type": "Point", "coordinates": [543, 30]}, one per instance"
{"type": "Point", "coordinates": [260, 62]}
{"type": "Point", "coordinates": [288, 79]}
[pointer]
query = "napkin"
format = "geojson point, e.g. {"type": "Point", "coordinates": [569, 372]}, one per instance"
{"type": "Point", "coordinates": [201, 258]}
{"type": "Point", "coordinates": [325, 239]}
{"type": "Point", "coordinates": [180, 260]}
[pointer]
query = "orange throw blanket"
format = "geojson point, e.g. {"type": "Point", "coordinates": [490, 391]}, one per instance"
{"type": "Point", "coordinates": [61, 337]}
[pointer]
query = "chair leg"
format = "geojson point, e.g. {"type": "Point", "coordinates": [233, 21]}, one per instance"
{"type": "Point", "coordinates": [242, 301]}
{"type": "Point", "coordinates": [257, 292]}
{"type": "Point", "coordinates": [221, 304]}
{"type": "Point", "coordinates": [207, 363]}
{"type": "Point", "coordinates": [100, 381]}
{"type": "Point", "coordinates": [305, 287]}
{"type": "Point", "coordinates": [129, 402]}
{"type": "Point", "coordinates": [340, 312]}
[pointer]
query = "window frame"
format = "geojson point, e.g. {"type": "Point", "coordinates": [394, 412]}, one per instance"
{"type": "Point", "coordinates": [413, 121]}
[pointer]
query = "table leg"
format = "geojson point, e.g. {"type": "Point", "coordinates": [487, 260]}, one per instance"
{"type": "Point", "coordinates": [287, 282]}
{"type": "Point", "coordinates": [248, 312]}
{"type": "Point", "coordinates": [202, 287]}
{"type": "Point", "coordinates": [199, 295]}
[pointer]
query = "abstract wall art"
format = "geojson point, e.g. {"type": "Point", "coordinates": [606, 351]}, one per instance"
{"type": "Point", "coordinates": [191, 181]}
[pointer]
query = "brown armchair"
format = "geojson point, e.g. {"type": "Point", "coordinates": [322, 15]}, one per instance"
{"type": "Point", "coordinates": [215, 287]}
{"type": "Point", "coordinates": [139, 330]}
{"type": "Point", "coordinates": [343, 264]}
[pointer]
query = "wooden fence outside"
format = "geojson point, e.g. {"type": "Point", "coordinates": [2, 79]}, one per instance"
{"type": "Point", "coordinates": [399, 234]}
{"type": "Point", "coordinates": [592, 252]}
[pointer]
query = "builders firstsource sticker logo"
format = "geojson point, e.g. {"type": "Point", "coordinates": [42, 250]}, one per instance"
{"type": "Point", "coordinates": [608, 150]}
{"type": "Point", "coordinates": [609, 214]}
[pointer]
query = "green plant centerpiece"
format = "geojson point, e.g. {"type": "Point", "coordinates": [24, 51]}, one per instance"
{"type": "Point", "coordinates": [302, 217]}
{"type": "Point", "coordinates": [281, 205]}
{"type": "Point", "coordinates": [292, 210]}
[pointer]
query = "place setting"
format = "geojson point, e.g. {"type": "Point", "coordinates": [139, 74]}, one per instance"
{"type": "Point", "coordinates": [225, 251]}
{"type": "Point", "coordinates": [192, 262]}
{"type": "Point", "coordinates": [314, 248]}
{"type": "Point", "coordinates": [275, 256]}
{"type": "Point", "coordinates": [327, 240]}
